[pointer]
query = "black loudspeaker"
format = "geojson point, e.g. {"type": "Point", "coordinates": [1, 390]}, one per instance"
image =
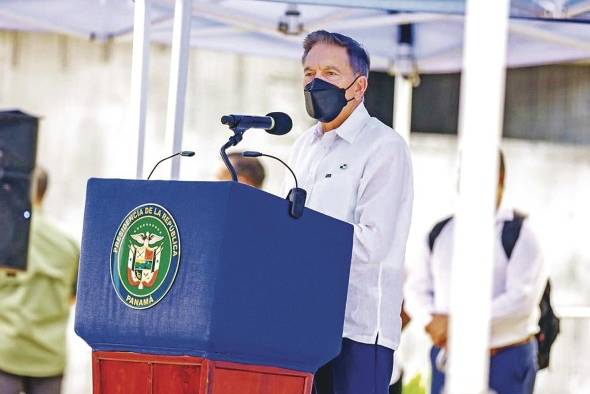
{"type": "Point", "coordinates": [18, 148]}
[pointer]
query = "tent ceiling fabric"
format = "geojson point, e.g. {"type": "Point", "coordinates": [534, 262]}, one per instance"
{"type": "Point", "coordinates": [444, 6]}
{"type": "Point", "coordinates": [99, 19]}
{"type": "Point", "coordinates": [251, 26]}
{"type": "Point", "coordinates": [543, 9]}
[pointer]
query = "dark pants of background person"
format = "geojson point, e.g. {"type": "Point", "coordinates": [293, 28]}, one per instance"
{"type": "Point", "coordinates": [359, 369]}
{"type": "Point", "coordinates": [14, 384]}
{"type": "Point", "coordinates": [397, 387]}
{"type": "Point", "coordinates": [512, 370]}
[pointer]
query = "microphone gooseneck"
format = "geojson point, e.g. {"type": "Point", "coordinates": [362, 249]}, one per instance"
{"type": "Point", "coordinates": [296, 196]}
{"type": "Point", "coordinates": [226, 161]}
{"type": "Point", "coordinates": [250, 153]}
{"type": "Point", "coordinates": [184, 153]}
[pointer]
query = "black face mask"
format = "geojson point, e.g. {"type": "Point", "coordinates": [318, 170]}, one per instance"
{"type": "Point", "coordinates": [324, 101]}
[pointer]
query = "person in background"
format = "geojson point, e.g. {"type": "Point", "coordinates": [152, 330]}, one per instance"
{"type": "Point", "coordinates": [519, 279]}
{"type": "Point", "coordinates": [35, 304]}
{"type": "Point", "coordinates": [250, 170]}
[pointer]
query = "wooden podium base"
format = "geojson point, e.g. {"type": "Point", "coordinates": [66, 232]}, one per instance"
{"type": "Point", "coordinates": [135, 373]}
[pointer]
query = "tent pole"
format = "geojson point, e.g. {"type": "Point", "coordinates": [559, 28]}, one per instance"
{"type": "Point", "coordinates": [140, 77]}
{"type": "Point", "coordinates": [480, 126]}
{"type": "Point", "coordinates": [178, 80]}
{"type": "Point", "coordinates": [402, 106]}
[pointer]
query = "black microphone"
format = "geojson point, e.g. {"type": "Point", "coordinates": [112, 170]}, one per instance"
{"type": "Point", "coordinates": [186, 153]}
{"type": "Point", "coordinates": [296, 195]}
{"type": "Point", "coordinates": [276, 123]}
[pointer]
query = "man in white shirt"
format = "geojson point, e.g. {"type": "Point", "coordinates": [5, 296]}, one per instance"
{"type": "Point", "coordinates": [518, 283]}
{"type": "Point", "coordinates": [356, 169]}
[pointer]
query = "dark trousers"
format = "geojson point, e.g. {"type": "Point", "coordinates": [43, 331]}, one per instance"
{"type": "Point", "coordinates": [512, 371]}
{"type": "Point", "coordinates": [15, 384]}
{"type": "Point", "coordinates": [359, 369]}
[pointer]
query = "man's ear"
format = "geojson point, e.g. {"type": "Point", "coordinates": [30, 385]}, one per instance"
{"type": "Point", "coordinates": [360, 87]}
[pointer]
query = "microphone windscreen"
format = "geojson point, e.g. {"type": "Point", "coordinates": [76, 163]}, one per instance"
{"type": "Point", "coordinates": [283, 123]}
{"type": "Point", "coordinates": [250, 153]}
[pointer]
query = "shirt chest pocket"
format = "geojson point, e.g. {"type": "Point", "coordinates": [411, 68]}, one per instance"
{"type": "Point", "coordinates": [337, 187]}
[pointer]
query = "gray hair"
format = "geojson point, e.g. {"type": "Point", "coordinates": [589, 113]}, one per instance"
{"type": "Point", "coordinates": [357, 55]}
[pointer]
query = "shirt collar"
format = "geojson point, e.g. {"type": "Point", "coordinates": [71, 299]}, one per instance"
{"type": "Point", "coordinates": [351, 126]}
{"type": "Point", "coordinates": [504, 215]}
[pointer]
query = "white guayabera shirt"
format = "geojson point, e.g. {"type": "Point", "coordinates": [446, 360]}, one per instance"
{"type": "Point", "coordinates": [361, 173]}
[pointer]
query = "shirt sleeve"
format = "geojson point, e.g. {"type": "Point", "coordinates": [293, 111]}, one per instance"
{"type": "Point", "coordinates": [525, 279]}
{"type": "Point", "coordinates": [419, 288]}
{"type": "Point", "coordinates": [384, 205]}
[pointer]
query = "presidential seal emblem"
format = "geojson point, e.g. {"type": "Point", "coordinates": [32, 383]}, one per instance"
{"type": "Point", "coordinates": [145, 256]}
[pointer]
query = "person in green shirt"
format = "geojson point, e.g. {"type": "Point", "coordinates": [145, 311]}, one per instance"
{"type": "Point", "coordinates": [35, 304]}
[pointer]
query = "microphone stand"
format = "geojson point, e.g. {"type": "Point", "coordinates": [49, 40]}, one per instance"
{"type": "Point", "coordinates": [233, 141]}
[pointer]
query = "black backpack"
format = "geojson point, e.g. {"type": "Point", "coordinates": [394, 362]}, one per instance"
{"type": "Point", "coordinates": [549, 323]}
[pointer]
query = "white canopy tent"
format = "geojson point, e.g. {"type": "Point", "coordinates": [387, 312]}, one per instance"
{"type": "Point", "coordinates": [250, 26]}
{"type": "Point", "coordinates": [540, 32]}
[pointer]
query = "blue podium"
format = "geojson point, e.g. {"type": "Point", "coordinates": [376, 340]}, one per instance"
{"type": "Point", "coordinates": [207, 274]}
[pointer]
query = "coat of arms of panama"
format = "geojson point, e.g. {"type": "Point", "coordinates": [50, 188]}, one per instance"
{"type": "Point", "coordinates": [145, 256]}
